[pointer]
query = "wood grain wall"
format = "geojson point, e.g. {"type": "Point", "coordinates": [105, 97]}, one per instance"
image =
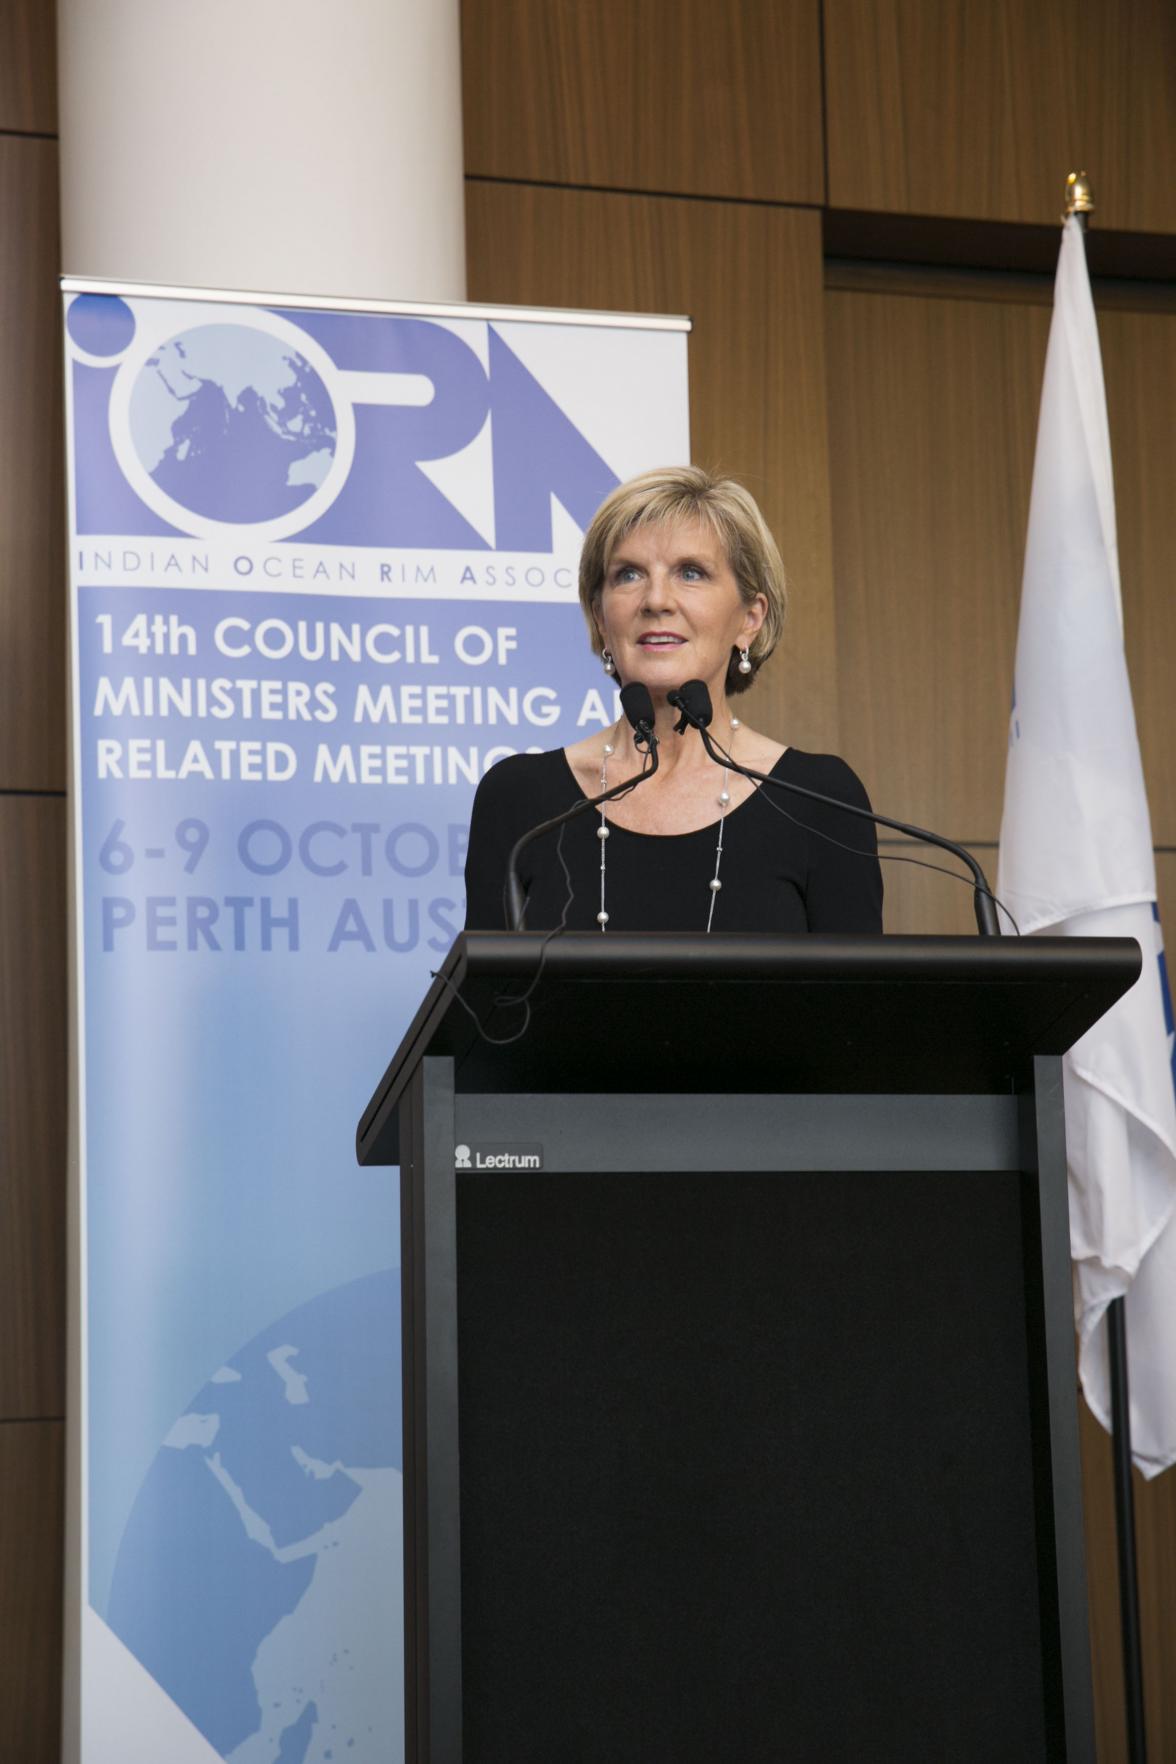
{"type": "Point", "coordinates": [665, 95]}
{"type": "Point", "coordinates": [33, 1087]}
{"type": "Point", "coordinates": [943, 107]}
{"type": "Point", "coordinates": [674, 155]}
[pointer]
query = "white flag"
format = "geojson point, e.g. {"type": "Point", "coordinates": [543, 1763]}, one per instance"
{"type": "Point", "coordinates": [1076, 860]}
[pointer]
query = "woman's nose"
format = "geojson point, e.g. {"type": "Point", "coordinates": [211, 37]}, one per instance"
{"type": "Point", "coordinates": [659, 591]}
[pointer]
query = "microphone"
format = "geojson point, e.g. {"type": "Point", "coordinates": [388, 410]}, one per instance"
{"type": "Point", "coordinates": [638, 708]}
{"type": "Point", "coordinates": [693, 701]}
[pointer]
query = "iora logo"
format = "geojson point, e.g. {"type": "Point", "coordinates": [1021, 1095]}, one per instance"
{"type": "Point", "coordinates": [335, 427]}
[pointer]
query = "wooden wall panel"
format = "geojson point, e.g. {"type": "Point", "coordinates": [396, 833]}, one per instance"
{"type": "Point", "coordinates": [32, 1478]}
{"type": "Point", "coordinates": [933, 412]}
{"type": "Point", "coordinates": [750, 277]}
{"type": "Point", "coordinates": [33, 1103]}
{"type": "Point", "coordinates": [33, 1084]}
{"type": "Point", "coordinates": [28, 66]}
{"type": "Point", "coordinates": [32, 498]}
{"type": "Point", "coordinates": [1166, 888]}
{"type": "Point", "coordinates": [654, 95]}
{"type": "Point", "coordinates": [932, 421]}
{"type": "Point", "coordinates": [946, 107]}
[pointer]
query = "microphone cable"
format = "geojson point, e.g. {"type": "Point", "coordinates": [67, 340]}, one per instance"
{"type": "Point", "coordinates": [891, 857]}
{"type": "Point", "coordinates": [502, 1000]}
{"type": "Point", "coordinates": [615, 796]}
{"type": "Point", "coordinates": [522, 998]}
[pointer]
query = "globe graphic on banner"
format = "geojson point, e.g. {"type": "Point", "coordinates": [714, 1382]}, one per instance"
{"type": "Point", "coordinates": [259, 1579]}
{"type": "Point", "coordinates": [232, 423]}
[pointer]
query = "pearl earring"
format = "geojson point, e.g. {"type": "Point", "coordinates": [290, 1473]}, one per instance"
{"type": "Point", "coordinates": [607, 662]}
{"type": "Point", "coordinates": [744, 662]}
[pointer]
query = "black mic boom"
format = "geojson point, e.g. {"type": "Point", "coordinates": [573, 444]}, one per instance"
{"type": "Point", "coordinates": [693, 700]}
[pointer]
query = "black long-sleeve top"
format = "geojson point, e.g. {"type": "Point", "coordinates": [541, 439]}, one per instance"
{"type": "Point", "coordinates": [778, 872]}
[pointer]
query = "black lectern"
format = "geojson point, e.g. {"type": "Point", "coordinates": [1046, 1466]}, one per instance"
{"type": "Point", "coordinates": [739, 1388]}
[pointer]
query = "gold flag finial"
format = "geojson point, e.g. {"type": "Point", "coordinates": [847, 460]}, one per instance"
{"type": "Point", "coordinates": [1078, 197]}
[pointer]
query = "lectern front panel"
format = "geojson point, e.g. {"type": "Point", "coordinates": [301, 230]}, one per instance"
{"type": "Point", "coordinates": [747, 1468]}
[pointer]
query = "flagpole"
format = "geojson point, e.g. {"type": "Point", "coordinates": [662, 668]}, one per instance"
{"type": "Point", "coordinates": [1125, 1533]}
{"type": "Point", "coordinates": [1080, 203]}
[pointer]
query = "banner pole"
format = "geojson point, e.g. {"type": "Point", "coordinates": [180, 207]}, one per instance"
{"type": "Point", "coordinates": [1125, 1534]}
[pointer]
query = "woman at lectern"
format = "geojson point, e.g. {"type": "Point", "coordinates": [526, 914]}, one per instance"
{"type": "Point", "coordinates": [680, 580]}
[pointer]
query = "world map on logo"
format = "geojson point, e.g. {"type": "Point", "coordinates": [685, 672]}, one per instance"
{"type": "Point", "coordinates": [232, 423]}
{"type": "Point", "coordinates": [259, 1577]}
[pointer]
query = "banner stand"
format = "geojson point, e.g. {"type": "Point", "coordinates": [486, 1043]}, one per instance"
{"type": "Point", "coordinates": [322, 574]}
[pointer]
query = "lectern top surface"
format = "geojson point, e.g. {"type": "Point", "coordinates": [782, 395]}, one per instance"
{"type": "Point", "coordinates": [665, 1013]}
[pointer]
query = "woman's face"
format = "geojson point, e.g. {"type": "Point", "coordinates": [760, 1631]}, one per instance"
{"type": "Point", "coordinates": [670, 609]}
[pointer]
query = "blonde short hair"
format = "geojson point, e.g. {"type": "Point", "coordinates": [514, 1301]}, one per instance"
{"type": "Point", "coordinates": [672, 493]}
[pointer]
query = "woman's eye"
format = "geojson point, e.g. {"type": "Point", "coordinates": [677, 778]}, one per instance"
{"type": "Point", "coordinates": [692, 572]}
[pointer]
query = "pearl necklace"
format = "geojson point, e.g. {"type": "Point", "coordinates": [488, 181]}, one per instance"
{"type": "Point", "coordinates": [603, 834]}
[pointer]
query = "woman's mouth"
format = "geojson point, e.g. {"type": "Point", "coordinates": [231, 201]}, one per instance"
{"type": "Point", "coordinates": [660, 640]}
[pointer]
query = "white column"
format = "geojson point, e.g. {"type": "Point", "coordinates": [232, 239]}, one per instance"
{"type": "Point", "coordinates": [284, 146]}
{"type": "Point", "coordinates": [275, 146]}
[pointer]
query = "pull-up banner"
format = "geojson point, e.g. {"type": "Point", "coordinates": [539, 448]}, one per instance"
{"type": "Point", "coordinates": [323, 574]}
